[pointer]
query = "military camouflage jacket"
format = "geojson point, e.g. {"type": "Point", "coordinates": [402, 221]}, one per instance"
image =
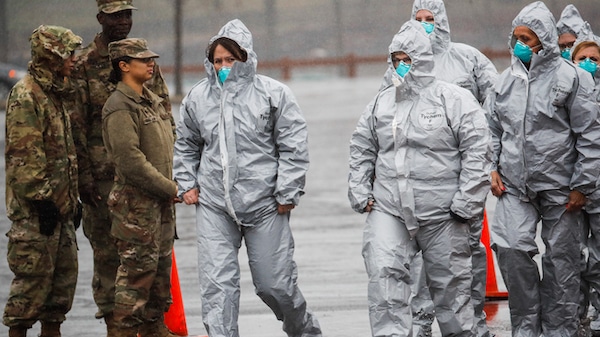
{"type": "Point", "coordinates": [92, 73]}
{"type": "Point", "coordinates": [139, 139]}
{"type": "Point", "coordinates": [41, 160]}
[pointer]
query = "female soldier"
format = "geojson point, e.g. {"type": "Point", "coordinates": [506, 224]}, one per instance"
{"type": "Point", "coordinates": [138, 136]}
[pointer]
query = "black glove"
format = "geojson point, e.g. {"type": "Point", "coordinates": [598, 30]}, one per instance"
{"type": "Point", "coordinates": [48, 215]}
{"type": "Point", "coordinates": [458, 218]}
{"type": "Point", "coordinates": [78, 215]}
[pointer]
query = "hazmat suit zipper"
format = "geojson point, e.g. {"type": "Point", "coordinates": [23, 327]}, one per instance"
{"type": "Point", "coordinates": [525, 166]}
{"type": "Point", "coordinates": [406, 193]}
{"type": "Point", "coordinates": [225, 158]}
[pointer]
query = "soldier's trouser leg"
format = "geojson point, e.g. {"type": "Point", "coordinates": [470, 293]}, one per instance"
{"type": "Point", "coordinates": [549, 305]}
{"type": "Point", "coordinates": [96, 225]}
{"type": "Point", "coordinates": [45, 269]}
{"type": "Point", "coordinates": [138, 228]}
{"type": "Point", "coordinates": [270, 248]}
{"type": "Point", "coordinates": [387, 252]}
{"type": "Point", "coordinates": [447, 264]}
{"type": "Point", "coordinates": [160, 292]}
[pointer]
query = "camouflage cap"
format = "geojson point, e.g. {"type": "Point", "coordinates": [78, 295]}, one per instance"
{"type": "Point", "coordinates": [58, 40]}
{"type": "Point", "coordinates": [112, 6]}
{"type": "Point", "coordinates": [132, 47]}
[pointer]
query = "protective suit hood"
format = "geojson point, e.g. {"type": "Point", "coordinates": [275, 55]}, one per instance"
{"type": "Point", "coordinates": [570, 21]}
{"type": "Point", "coordinates": [537, 17]}
{"type": "Point", "coordinates": [440, 37]}
{"type": "Point", "coordinates": [412, 40]}
{"type": "Point", "coordinates": [238, 32]}
{"type": "Point", "coordinates": [50, 46]}
{"type": "Point", "coordinates": [586, 34]}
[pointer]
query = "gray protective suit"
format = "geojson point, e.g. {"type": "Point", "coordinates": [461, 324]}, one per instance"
{"type": "Point", "coordinates": [546, 135]}
{"type": "Point", "coordinates": [468, 68]}
{"type": "Point", "coordinates": [570, 21]}
{"type": "Point", "coordinates": [590, 278]}
{"type": "Point", "coordinates": [420, 150]}
{"type": "Point", "coordinates": [244, 145]}
{"type": "Point", "coordinates": [456, 63]}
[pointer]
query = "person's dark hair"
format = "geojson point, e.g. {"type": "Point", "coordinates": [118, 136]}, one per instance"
{"type": "Point", "coordinates": [115, 74]}
{"type": "Point", "coordinates": [231, 47]}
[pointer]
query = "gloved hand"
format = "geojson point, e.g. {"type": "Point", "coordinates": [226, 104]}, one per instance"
{"type": "Point", "coordinates": [78, 215]}
{"type": "Point", "coordinates": [458, 218]}
{"type": "Point", "coordinates": [48, 215]}
{"type": "Point", "coordinates": [89, 195]}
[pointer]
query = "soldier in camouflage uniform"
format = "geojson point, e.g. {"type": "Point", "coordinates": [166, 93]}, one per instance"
{"type": "Point", "coordinates": [95, 169]}
{"type": "Point", "coordinates": [41, 187]}
{"type": "Point", "coordinates": [138, 135]}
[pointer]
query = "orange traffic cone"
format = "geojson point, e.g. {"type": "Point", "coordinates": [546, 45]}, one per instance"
{"type": "Point", "coordinates": [491, 288]}
{"type": "Point", "coordinates": [175, 317]}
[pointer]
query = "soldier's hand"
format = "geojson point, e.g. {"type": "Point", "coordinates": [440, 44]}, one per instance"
{"type": "Point", "coordinates": [48, 215]}
{"type": "Point", "coordinates": [89, 195]}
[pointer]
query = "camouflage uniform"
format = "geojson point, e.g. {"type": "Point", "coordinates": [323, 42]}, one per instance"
{"type": "Point", "coordinates": [137, 132]}
{"type": "Point", "coordinates": [41, 166]}
{"type": "Point", "coordinates": [96, 170]}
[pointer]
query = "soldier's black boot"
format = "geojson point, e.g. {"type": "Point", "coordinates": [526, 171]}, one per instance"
{"type": "Point", "coordinates": [111, 326]}
{"type": "Point", "coordinates": [156, 329]}
{"type": "Point", "coordinates": [126, 332]}
{"type": "Point", "coordinates": [17, 331]}
{"type": "Point", "coordinates": [50, 329]}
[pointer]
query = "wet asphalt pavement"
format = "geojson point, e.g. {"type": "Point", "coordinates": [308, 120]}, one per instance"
{"type": "Point", "coordinates": [327, 233]}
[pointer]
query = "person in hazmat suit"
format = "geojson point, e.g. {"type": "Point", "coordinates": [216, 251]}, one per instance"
{"type": "Point", "coordinates": [419, 165]}
{"type": "Point", "coordinates": [546, 136]}
{"type": "Point", "coordinates": [467, 67]}
{"type": "Point", "coordinates": [586, 55]}
{"type": "Point", "coordinates": [241, 157]}
{"type": "Point", "coordinates": [41, 186]}
{"type": "Point", "coordinates": [572, 30]}
{"type": "Point", "coordinates": [570, 27]}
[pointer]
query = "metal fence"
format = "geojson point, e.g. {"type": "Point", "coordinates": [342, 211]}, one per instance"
{"type": "Point", "coordinates": [349, 62]}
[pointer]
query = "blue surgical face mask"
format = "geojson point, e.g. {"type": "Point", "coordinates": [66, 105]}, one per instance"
{"type": "Point", "coordinates": [428, 26]}
{"type": "Point", "coordinates": [522, 51]}
{"type": "Point", "coordinates": [402, 69]}
{"type": "Point", "coordinates": [566, 53]}
{"type": "Point", "coordinates": [589, 66]}
{"type": "Point", "coordinates": [223, 73]}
